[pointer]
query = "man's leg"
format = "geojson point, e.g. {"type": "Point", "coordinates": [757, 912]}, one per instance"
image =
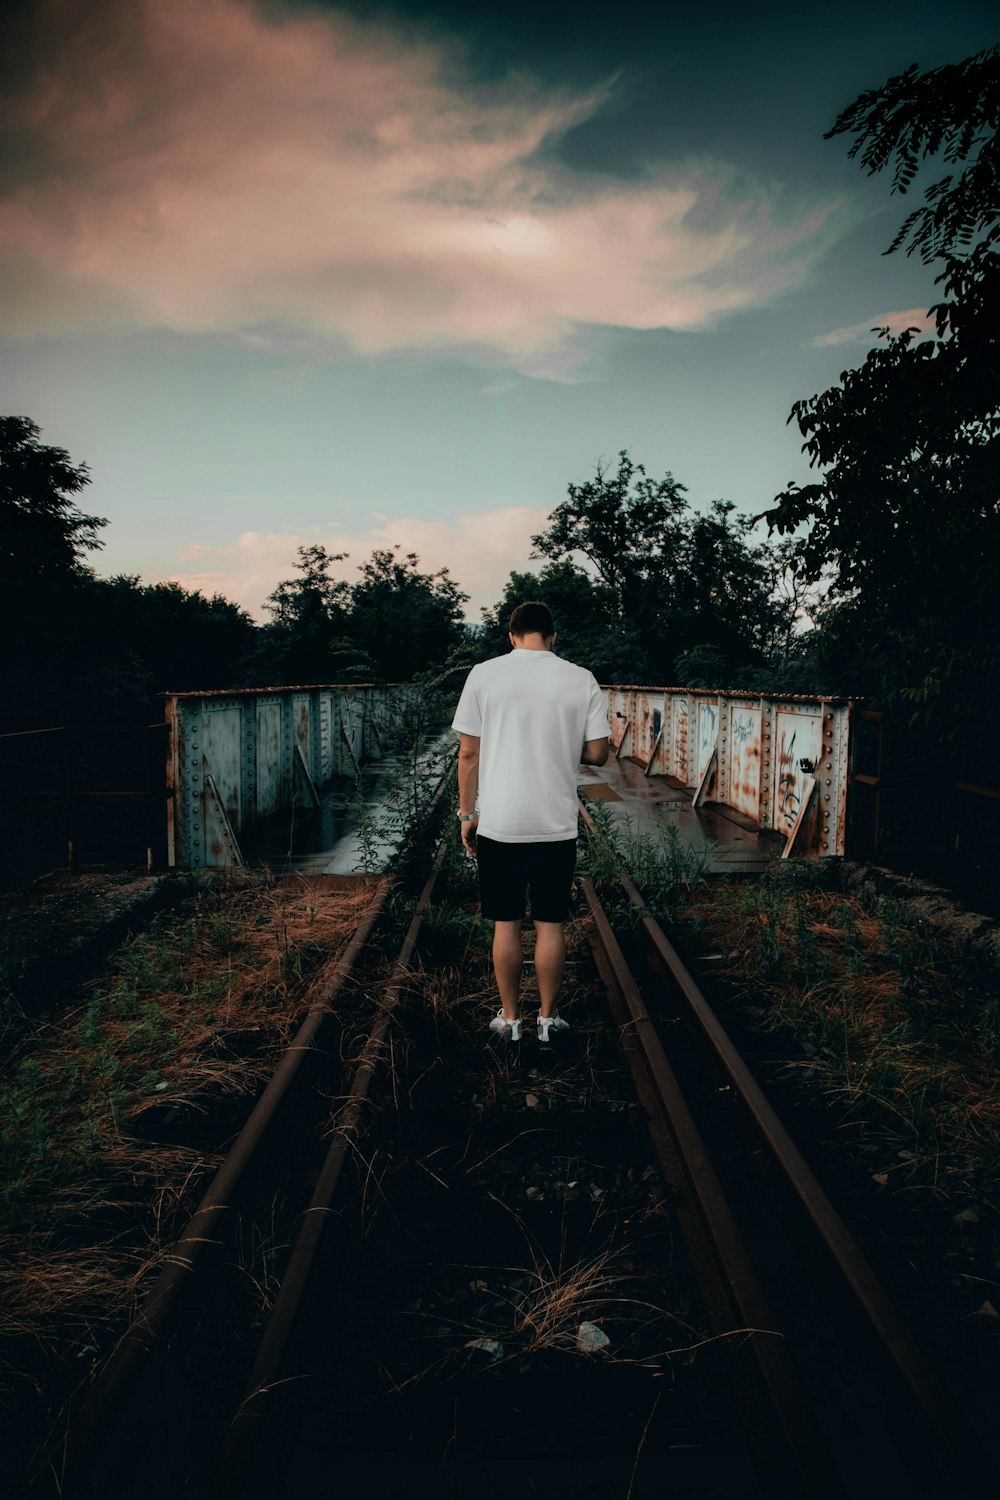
{"type": "Point", "coordinates": [550, 960]}
{"type": "Point", "coordinates": [508, 959]}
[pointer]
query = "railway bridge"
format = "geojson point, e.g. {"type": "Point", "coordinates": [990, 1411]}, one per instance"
{"type": "Point", "coordinates": [728, 770]}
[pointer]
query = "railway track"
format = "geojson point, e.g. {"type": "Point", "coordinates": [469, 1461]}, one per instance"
{"type": "Point", "coordinates": [597, 1268]}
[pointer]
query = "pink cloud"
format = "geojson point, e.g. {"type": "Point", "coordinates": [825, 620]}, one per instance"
{"type": "Point", "coordinates": [479, 550]}
{"type": "Point", "coordinates": [867, 332]}
{"type": "Point", "coordinates": [225, 167]}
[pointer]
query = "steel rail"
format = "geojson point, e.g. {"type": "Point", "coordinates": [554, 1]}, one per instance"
{"type": "Point", "coordinates": [934, 1400]}
{"type": "Point", "coordinates": [200, 1231]}
{"type": "Point", "coordinates": [799, 1430]}
{"type": "Point", "coordinates": [284, 1330]}
{"type": "Point", "coordinates": [61, 1468]}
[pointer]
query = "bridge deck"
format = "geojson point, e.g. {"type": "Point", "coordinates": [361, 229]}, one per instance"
{"type": "Point", "coordinates": [733, 844]}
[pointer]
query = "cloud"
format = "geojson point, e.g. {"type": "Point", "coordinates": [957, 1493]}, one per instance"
{"type": "Point", "coordinates": [480, 551]}
{"type": "Point", "coordinates": [215, 165]}
{"type": "Point", "coordinates": [867, 332]}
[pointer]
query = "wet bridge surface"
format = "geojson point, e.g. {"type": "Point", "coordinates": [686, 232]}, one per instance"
{"type": "Point", "coordinates": [355, 828]}
{"type": "Point", "coordinates": [650, 804]}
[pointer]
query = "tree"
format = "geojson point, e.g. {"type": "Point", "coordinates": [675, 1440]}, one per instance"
{"type": "Point", "coordinates": [625, 524]}
{"type": "Point", "coordinates": [671, 579]}
{"type": "Point", "coordinates": [952, 111]}
{"type": "Point", "coordinates": [905, 514]}
{"type": "Point", "coordinates": [408, 622]}
{"type": "Point", "coordinates": [44, 579]}
{"type": "Point", "coordinates": [305, 640]}
{"type": "Point", "coordinates": [182, 639]}
{"type": "Point", "coordinates": [43, 534]}
{"type": "Point", "coordinates": [724, 595]}
{"type": "Point", "coordinates": [588, 630]}
{"type": "Point", "coordinates": [313, 597]}
{"type": "Point", "coordinates": [79, 649]}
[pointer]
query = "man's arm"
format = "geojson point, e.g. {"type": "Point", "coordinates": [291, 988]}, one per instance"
{"type": "Point", "coordinates": [595, 752]}
{"type": "Point", "coordinates": [468, 786]}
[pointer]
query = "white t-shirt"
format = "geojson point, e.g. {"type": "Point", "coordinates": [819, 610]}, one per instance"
{"type": "Point", "coordinates": [532, 712]}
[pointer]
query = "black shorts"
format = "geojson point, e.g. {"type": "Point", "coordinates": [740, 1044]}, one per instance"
{"type": "Point", "coordinates": [508, 871]}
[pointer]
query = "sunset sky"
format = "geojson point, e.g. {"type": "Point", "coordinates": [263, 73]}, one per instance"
{"type": "Point", "coordinates": [362, 274]}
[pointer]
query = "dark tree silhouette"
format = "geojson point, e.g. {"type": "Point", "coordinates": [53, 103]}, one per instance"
{"type": "Point", "coordinates": [905, 514]}
{"type": "Point", "coordinates": [952, 111]}
{"type": "Point", "coordinates": [669, 580]}
{"type": "Point", "coordinates": [408, 622]}
{"type": "Point", "coordinates": [43, 534]}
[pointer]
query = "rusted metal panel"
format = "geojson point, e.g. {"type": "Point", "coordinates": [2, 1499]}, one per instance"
{"type": "Point", "coordinates": [662, 763]}
{"type": "Point", "coordinates": [352, 732]}
{"type": "Point", "coordinates": [268, 757]}
{"type": "Point", "coordinates": [744, 760]}
{"type": "Point", "coordinates": [175, 759]}
{"type": "Point", "coordinates": [302, 722]}
{"type": "Point", "coordinates": [222, 754]}
{"type": "Point", "coordinates": [770, 751]}
{"type": "Point", "coordinates": [834, 779]}
{"type": "Point", "coordinates": [326, 738]}
{"type": "Point", "coordinates": [233, 758]}
{"type": "Point", "coordinates": [642, 747]}
{"type": "Point", "coordinates": [798, 742]}
{"type": "Point", "coordinates": [708, 733]}
{"type": "Point", "coordinates": [376, 728]}
{"type": "Point", "coordinates": [617, 711]}
{"type": "Point", "coordinates": [680, 758]}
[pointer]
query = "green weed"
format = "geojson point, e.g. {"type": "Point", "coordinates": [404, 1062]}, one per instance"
{"type": "Point", "coordinates": [900, 1025]}
{"type": "Point", "coordinates": [660, 864]}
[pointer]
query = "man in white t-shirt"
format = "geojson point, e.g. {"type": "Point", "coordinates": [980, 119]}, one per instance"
{"type": "Point", "coordinates": [526, 722]}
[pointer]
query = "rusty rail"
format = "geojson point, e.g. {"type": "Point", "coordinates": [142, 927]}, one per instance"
{"type": "Point", "coordinates": [931, 1398]}
{"type": "Point", "coordinates": [807, 1459]}
{"type": "Point", "coordinates": [202, 1228]}
{"type": "Point", "coordinates": [284, 1330]}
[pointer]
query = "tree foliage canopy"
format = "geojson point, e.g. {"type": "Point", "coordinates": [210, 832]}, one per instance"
{"type": "Point", "coordinates": [392, 624]}
{"type": "Point", "coordinates": [905, 515]}
{"type": "Point", "coordinates": [43, 534]}
{"type": "Point", "coordinates": [407, 621]}
{"type": "Point", "coordinates": [661, 580]}
{"type": "Point", "coordinates": [623, 523]}
{"type": "Point", "coordinates": [953, 111]}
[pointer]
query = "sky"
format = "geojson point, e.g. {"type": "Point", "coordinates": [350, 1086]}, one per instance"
{"type": "Point", "coordinates": [287, 271]}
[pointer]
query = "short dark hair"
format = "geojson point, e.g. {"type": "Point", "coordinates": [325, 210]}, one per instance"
{"type": "Point", "coordinates": [531, 616]}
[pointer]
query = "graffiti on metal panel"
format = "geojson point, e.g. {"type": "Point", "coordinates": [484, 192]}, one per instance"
{"type": "Point", "coordinates": [681, 738]}
{"type": "Point", "coordinates": [788, 797]}
{"type": "Point", "coordinates": [744, 761]}
{"type": "Point", "coordinates": [708, 717]}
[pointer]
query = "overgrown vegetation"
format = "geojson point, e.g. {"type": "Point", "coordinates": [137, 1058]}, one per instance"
{"type": "Point", "coordinates": [186, 1020]}
{"type": "Point", "coordinates": [664, 868]}
{"type": "Point", "coordinates": [903, 515]}
{"type": "Point", "coordinates": [898, 1024]}
{"type": "Point", "coordinates": [589, 1293]}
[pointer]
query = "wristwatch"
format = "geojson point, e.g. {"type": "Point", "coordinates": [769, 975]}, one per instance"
{"type": "Point", "coordinates": [467, 817]}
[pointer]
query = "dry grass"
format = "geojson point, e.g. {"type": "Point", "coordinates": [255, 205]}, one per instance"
{"type": "Point", "coordinates": [186, 1016]}
{"type": "Point", "coordinates": [559, 1298]}
{"type": "Point", "coordinates": [515, 1314]}
{"type": "Point", "coordinates": [898, 1024]}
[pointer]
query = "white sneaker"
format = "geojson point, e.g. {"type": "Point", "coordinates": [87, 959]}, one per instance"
{"type": "Point", "coordinates": [509, 1030]}
{"type": "Point", "coordinates": [549, 1024]}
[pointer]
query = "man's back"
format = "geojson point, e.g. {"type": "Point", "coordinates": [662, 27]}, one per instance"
{"type": "Point", "coordinates": [532, 712]}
